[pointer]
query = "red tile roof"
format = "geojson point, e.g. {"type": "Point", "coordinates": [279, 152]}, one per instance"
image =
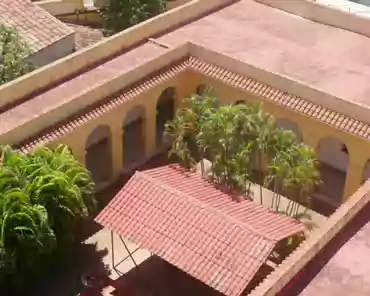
{"type": "Point", "coordinates": [33, 23]}
{"type": "Point", "coordinates": [196, 226]}
{"type": "Point", "coordinates": [263, 91]}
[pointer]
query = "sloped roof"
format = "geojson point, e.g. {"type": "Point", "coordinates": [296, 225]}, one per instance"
{"type": "Point", "coordinates": [259, 89]}
{"type": "Point", "coordinates": [192, 224]}
{"type": "Point", "coordinates": [39, 28]}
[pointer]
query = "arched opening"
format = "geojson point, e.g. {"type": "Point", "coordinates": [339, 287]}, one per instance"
{"type": "Point", "coordinates": [367, 171]}
{"type": "Point", "coordinates": [240, 102]}
{"type": "Point", "coordinates": [133, 137]}
{"type": "Point", "coordinates": [207, 90]}
{"type": "Point", "coordinates": [289, 125]}
{"type": "Point", "coordinates": [99, 154]}
{"type": "Point", "coordinates": [202, 89]}
{"type": "Point", "coordinates": [333, 157]}
{"type": "Point", "coordinates": [165, 112]}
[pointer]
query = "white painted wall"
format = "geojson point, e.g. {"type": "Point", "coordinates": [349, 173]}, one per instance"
{"type": "Point", "coordinates": [358, 7]}
{"type": "Point", "coordinates": [53, 52]}
{"type": "Point", "coordinates": [329, 152]}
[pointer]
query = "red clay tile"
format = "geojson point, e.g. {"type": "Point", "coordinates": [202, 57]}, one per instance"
{"type": "Point", "coordinates": [195, 226]}
{"type": "Point", "coordinates": [33, 23]}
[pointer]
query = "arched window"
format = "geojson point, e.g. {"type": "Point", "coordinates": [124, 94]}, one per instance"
{"type": "Point", "coordinates": [289, 125]}
{"type": "Point", "coordinates": [333, 168]}
{"type": "Point", "coordinates": [165, 112]}
{"type": "Point", "coordinates": [99, 154]}
{"type": "Point", "coordinates": [133, 137]}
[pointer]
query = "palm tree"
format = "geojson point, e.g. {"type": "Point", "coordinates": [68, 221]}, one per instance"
{"type": "Point", "coordinates": [184, 129]}
{"type": "Point", "coordinates": [25, 234]}
{"type": "Point", "coordinates": [43, 195]}
{"type": "Point", "coordinates": [262, 126]}
{"type": "Point", "coordinates": [239, 140]}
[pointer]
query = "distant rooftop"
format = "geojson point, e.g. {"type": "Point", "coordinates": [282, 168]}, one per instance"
{"type": "Point", "coordinates": [359, 7]}
{"type": "Point", "coordinates": [326, 58]}
{"type": "Point", "coordinates": [34, 24]}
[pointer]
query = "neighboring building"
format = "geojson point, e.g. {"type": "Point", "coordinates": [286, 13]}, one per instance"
{"type": "Point", "coordinates": [359, 7]}
{"type": "Point", "coordinates": [48, 38]}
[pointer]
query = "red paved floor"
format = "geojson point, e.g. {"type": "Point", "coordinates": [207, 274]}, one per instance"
{"type": "Point", "coordinates": [69, 90]}
{"type": "Point", "coordinates": [342, 268]}
{"type": "Point", "coordinates": [333, 60]}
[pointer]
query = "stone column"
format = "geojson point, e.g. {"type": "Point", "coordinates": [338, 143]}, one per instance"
{"type": "Point", "coordinates": [150, 131]}
{"type": "Point", "coordinates": [78, 149]}
{"type": "Point", "coordinates": [117, 149]}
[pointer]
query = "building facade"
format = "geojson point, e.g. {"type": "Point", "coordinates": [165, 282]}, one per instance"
{"type": "Point", "coordinates": [109, 103]}
{"type": "Point", "coordinates": [48, 38]}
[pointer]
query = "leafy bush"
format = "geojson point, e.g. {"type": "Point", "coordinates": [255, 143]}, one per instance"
{"type": "Point", "coordinates": [244, 146]}
{"type": "Point", "coordinates": [13, 54]}
{"type": "Point", "coordinates": [43, 197]}
{"type": "Point", "coordinates": [122, 14]}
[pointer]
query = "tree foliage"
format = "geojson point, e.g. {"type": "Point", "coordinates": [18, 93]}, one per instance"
{"type": "Point", "coordinates": [245, 147]}
{"type": "Point", "coordinates": [13, 54]}
{"type": "Point", "coordinates": [122, 14]}
{"type": "Point", "coordinates": [43, 197]}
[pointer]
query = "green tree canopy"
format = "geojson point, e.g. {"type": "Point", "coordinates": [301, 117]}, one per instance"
{"type": "Point", "coordinates": [43, 197]}
{"type": "Point", "coordinates": [244, 146]}
{"type": "Point", "coordinates": [13, 54]}
{"type": "Point", "coordinates": [122, 14]}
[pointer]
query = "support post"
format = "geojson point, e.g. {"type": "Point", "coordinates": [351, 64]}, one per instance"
{"type": "Point", "coordinates": [117, 149]}
{"type": "Point", "coordinates": [354, 179]}
{"type": "Point", "coordinates": [150, 133]}
{"type": "Point", "coordinates": [128, 251]}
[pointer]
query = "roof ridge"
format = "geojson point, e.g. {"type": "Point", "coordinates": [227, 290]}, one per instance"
{"type": "Point", "coordinates": [245, 83]}
{"type": "Point", "coordinates": [275, 95]}
{"type": "Point", "coordinates": [204, 206]}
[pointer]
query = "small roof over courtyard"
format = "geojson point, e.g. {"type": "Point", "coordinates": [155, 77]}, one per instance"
{"type": "Point", "coordinates": [219, 238]}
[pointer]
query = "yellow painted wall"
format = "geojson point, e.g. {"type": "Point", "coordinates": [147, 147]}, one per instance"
{"type": "Point", "coordinates": [186, 83]}
{"type": "Point", "coordinates": [90, 17]}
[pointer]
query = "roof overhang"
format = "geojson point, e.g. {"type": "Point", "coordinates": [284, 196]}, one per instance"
{"type": "Point", "coordinates": [174, 61]}
{"type": "Point", "coordinates": [197, 227]}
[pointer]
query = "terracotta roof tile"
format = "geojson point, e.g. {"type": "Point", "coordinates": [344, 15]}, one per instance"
{"type": "Point", "coordinates": [197, 227]}
{"type": "Point", "coordinates": [297, 104]}
{"type": "Point", "coordinates": [113, 102]}
{"type": "Point", "coordinates": [318, 112]}
{"type": "Point", "coordinates": [33, 23]}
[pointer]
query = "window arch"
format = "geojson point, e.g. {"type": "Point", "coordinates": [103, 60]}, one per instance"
{"type": "Point", "coordinates": [133, 137]}
{"type": "Point", "coordinates": [99, 154]}
{"type": "Point", "coordinates": [165, 112]}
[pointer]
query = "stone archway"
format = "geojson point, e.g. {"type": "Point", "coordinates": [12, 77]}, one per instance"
{"type": "Point", "coordinates": [289, 125]}
{"type": "Point", "coordinates": [133, 137]}
{"type": "Point", "coordinates": [240, 102]}
{"type": "Point", "coordinates": [99, 154]}
{"type": "Point", "coordinates": [334, 159]}
{"type": "Point", "coordinates": [165, 112]}
{"type": "Point", "coordinates": [202, 89]}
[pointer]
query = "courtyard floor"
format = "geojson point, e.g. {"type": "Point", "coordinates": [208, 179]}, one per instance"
{"type": "Point", "coordinates": [152, 277]}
